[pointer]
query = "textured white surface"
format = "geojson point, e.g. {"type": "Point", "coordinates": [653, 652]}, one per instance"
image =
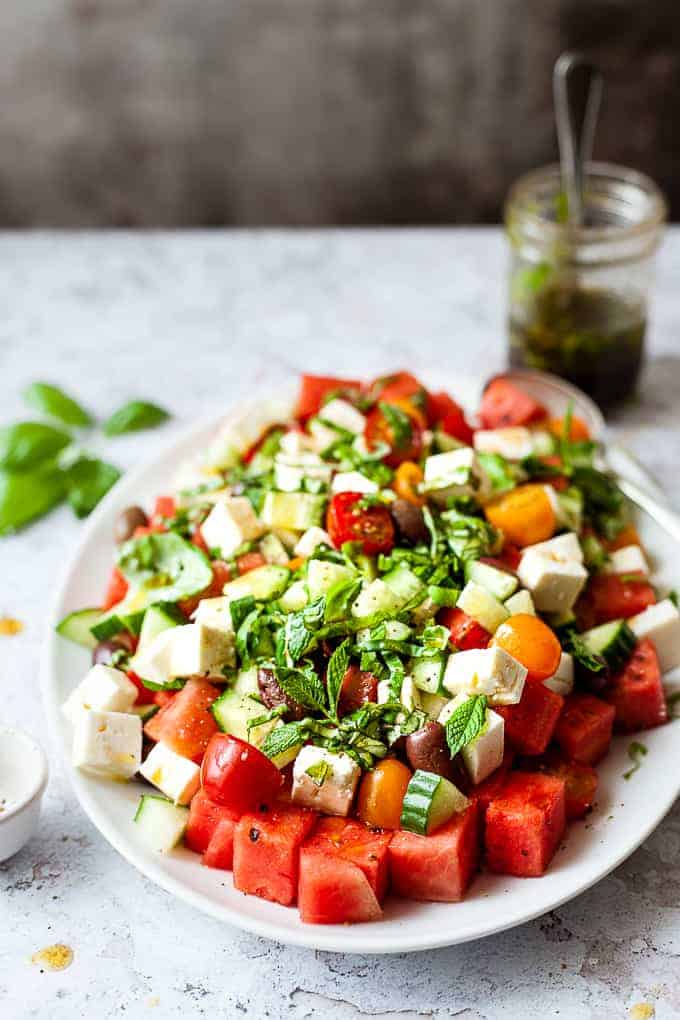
{"type": "Point", "coordinates": [197, 321]}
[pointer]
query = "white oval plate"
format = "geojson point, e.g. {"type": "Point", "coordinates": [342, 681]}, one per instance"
{"type": "Point", "coordinates": [626, 811]}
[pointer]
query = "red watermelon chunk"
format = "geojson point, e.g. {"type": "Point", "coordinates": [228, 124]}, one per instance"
{"type": "Point", "coordinates": [353, 841]}
{"type": "Point", "coordinates": [440, 867]}
{"type": "Point", "coordinates": [334, 890]}
{"type": "Point", "coordinates": [505, 404]}
{"type": "Point", "coordinates": [525, 824]}
{"type": "Point", "coordinates": [529, 726]}
{"type": "Point", "coordinates": [612, 597]}
{"type": "Point", "coordinates": [220, 851]}
{"type": "Point", "coordinates": [204, 817]}
{"type": "Point", "coordinates": [580, 783]}
{"type": "Point", "coordinates": [584, 730]}
{"type": "Point", "coordinates": [267, 851]}
{"type": "Point", "coordinates": [185, 724]}
{"type": "Point", "coordinates": [637, 692]}
{"type": "Point", "coordinates": [493, 785]}
{"type": "Point", "coordinates": [466, 633]}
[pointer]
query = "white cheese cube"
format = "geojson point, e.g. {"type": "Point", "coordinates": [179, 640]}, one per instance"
{"type": "Point", "coordinates": [565, 548]}
{"type": "Point", "coordinates": [491, 671]}
{"type": "Point", "coordinates": [195, 649]}
{"type": "Point", "coordinates": [292, 470]}
{"type": "Point", "coordinates": [230, 523]}
{"type": "Point", "coordinates": [103, 688]}
{"type": "Point", "coordinates": [520, 602]}
{"type": "Point", "coordinates": [323, 436]}
{"type": "Point", "coordinates": [152, 662]}
{"type": "Point", "coordinates": [214, 613]}
{"type": "Point", "coordinates": [661, 624]}
{"type": "Point", "coordinates": [455, 473]}
{"type": "Point", "coordinates": [554, 583]}
{"type": "Point", "coordinates": [311, 540]}
{"type": "Point", "coordinates": [343, 414]}
{"type": "Point", "coordinates": [352, 481]}
{"type": "Point", "coordinates": [513, 443]}
{"type": "Point", "coordinates": [238, 434]}
{"type": "Point", "coordinates": [628, 560]}
{"type": "Point", "coordinates": [107, 743]}
{"type": "Point", "coordinates": [409, 695]}
{"type": "Point", "coordinates": [562, 681]}
{"type": "Point", "coordinates": [484, 754]}
{"type": "Point", "coordinates": [177, 777]}
{"type": "Point", "coordinates": [295, 442]}
{"type": "Point", "coordinates": [324, 781]}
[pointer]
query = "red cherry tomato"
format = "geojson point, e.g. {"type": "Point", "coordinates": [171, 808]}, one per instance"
{"type": "Point", "coordinates": [445, 412]}
{"type": "Point", "coordinates": [238, 776]}
{"type": "Point", "coordinates": [348, 522]}
{"type": "Point", "coordinates": [406, 442]}
{"type": "Point", "coordinates": [397, 386]}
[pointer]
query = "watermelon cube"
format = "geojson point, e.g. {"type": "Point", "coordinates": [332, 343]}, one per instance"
{"type": "Point", "coordinates": [525, 824]}
{"type": "Point", "coordinates": [439, 867]}
{"type": "Point", "coordinates": [353, 841]}
{"type": "Point", "coordinates": [220, 851]}
{"type": "Point", "coordinates": [584, 730]}
{"type": "Point", "coordinates": [491, 787]}
{"type": "Point", "coordinates": [334, 890]}
{"type": "Point", "coordinates": [529, 726]}
{"type": "Point", "coordinates": [580, 785]}
{"type": "Point", "coordinates": [637, 692]}
{"type": "Point", "coordinates": [267, 851]}
{"type": "Point", "coordinates": [204, 817]}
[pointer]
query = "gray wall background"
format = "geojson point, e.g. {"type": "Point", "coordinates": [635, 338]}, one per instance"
{"type": "Point", "coordinates": [249, 112]}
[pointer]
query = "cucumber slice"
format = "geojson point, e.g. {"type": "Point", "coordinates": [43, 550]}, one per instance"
{"type": "Point", "coordinates": [432, 704]}
{"type": "Point", "coordinates": [376, 597]}
{"type": "Point", "coordinates": [246, 681]}
{"type": "Point", "coordinates": [161, 823]}
{"type": "Point", "coordinates": [443, 596]}
{"type": "Point", "coordinates": [77, 627]}
{"type": "Point", "coordinates": [429, 802]}
{"type": "Point", "coordinates": [404, 584]}
{"type": "Point", "coordinates": [614, 641]}
{"type": "Point", "coordinates": [156, 620]}
{"type": "Point", "coordinates": [294, 598]}
{"type": "Point", "coordinates": [500, 583]}
{"type": "Point", "coordinates": [273, 550]}
{"type": "Point", "coordinates": [233, 711]}
{"type": "Point", "coordinates": [427, 672]}
{"type": "Point", "coordinates": [295, 510]}
{"type": "Point", "coordinates": [115, 622]}
{"type": "Point", "coordinates": [322, 575]}
{"type": "Point", "coordinates": [482, 606]}
{"type": "Point", "coordinates": [521, 602]}
{"type": "Point", "coordinates": [263, 583]}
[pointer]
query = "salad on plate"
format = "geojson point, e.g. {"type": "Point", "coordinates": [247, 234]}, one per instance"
{"type": "Point", "coordinates": [368, 645]}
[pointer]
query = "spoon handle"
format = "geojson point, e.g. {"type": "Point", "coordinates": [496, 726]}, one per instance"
{"type": "Point", "coordinates": [577, 90]}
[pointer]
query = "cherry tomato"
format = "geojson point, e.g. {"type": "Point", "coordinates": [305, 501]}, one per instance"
{"type": "Point", "coordinates": [398, 386]}
{"type": "Point", "coordinates": [525, 515]}
{"type": "Point", "coordinates": [116, 590]}
{"type": "Point", "coordinates": [532, 643]}
{"type": "Point", "coordinates": [381, 794]}
{"type": "Point", "coordinates": [405, 440]}
{"type": "Point", "coordinates": [406, 482]}
{"type": "Point", "coordinates": [446, 413]}
{"type": "Point", "coordinates": [578, 430]}
{"type": "Point", "coordinates": [358, 686]}
{"type": "Point", "coordinates": [466, 633]}
{"type": "Point", "coordinates": [237, 775]}
{"type": "Point", "coordinates": [348, 522]}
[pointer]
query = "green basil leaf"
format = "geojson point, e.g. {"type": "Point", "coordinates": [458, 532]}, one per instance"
{"type": "Point", "coordinates": [87, 482]}
{"type": "Point", "coordinates": [466, 723]}
{"type": "Point", "coordinates": [24, 496]}
{"type": "Point", "coordinates": [29, 443]}
{"type": "Point", "coordinates": [166, 564]}
{"type": "Point", "coordinates": [134, 416]}
{"type": "Point", "coordinates": [53, 402]}
{"type": "Point", "coordinates": [337, 667]}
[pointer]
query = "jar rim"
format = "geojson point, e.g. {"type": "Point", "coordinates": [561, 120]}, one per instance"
{"type": "Point", "coordinates": [653, 204]}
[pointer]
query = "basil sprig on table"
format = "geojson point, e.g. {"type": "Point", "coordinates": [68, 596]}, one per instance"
{"type": "Point", "coordinates": [41, 466]}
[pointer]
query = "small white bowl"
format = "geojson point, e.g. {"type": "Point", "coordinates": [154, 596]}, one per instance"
{"type": "Point", "coordinates": [23, 778]}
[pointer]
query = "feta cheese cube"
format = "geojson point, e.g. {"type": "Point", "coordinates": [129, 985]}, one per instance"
{"type": "Point", "coordinates": [238, 434]}
{"type": "Point", "coordinates": [520, 602]}
{"type": "Point", "coordinates": [195, 649]}
{"type": "Point", "coordinates": [323, 436]}
{"type": "Point", "coordinates": [295, 442]}
{"type": "Point", "coordinates": [343, 414]}
{"type": "Point", "coordinates": [628, 560]}
{"type": "Point", "coordinates": [513, 443]}
{"type": "Point", "coordinates": [455, 473]}
{"type": "Point", "coordinates": [484, 754]}
{"type": "Point", "coordinates": [311, 540]}
{"type": "Point", "coordinates": [177, 777]}
{"type": "Point", "coordinates": [107, 743]}
{"type": "Point", "coordinates": [230, 523]}
{"type": "Point", "coordinates": [352, 481]}
{"type": "Point", "coordinates": [661, 624]}
{"type": "Point", "coordinates": [491, 671]}
{"type": "Point", "coordinates": [562, 681]}
{"type": "Point", "coordinates": [103, 688]}
{"type": "Point", "coordinates": [292, 470]}
{"type": "Point", "coordinates": [564, 548]}
{"type": "Point", "coordinates": [324, 781]}
{"type": "Point", "coordinates": [554, 583]}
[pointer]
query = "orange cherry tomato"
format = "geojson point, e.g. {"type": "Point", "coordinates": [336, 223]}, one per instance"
{"type": "Point", "coordinates": [525, 515]}
{"type": "Point", "coordinates": [381, 794]}
{"type": "Point", "coordinates": [406, 482]}
{"type": "Point", "coordinates": [627, 536]}
{"type": "Point", "coordinates": [578, 431]}
{"type": "Point", "coordinates": [532, 643]}
{"type": "Point", "coordinates": [295, 563]}
{"type": "Point", "coordinates": [409, 408]}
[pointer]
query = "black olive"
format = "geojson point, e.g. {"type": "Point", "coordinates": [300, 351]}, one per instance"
{"type": "Point", "coordinates": [127, 522]}
{"type": "Point", "coordinates": [106, 652]}
{"type": "Point", "coordinates": [427, 749]}
{"type": "Point", "coordinates": [409, 521]}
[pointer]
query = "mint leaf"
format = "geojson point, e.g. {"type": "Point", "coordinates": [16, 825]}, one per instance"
{"type": "Point", "coordinates": [283, 738]}
{"type": "Point", "coordinates": [303, 686]}
{"type": "Point", "coordinates": [87, 482]}
{"type": "Point", "coordinates": [239, 609]}
{"type": "Point", "coordinates": [337, 667]}
{"type": "Point", "coordinates": [396, 672]}
{"type": "Point", "coordinates": [29, 443]}
{"type": "Point", "coordinates": [298, 636]}
{"type": "Point", "coordinates": [502, 474]}
{"type": "Point", "coordinates": [340, 596]}
{"type": "Point", "coordinates": [466, 723]}
{"type": "Point", "coordinates": [399, 424]}
{"type": "Point", "coordinates": [246, 634]}
{"type": "Point", "coordinates": [318, 772]}
{"type": "Point", "coordinates": [636, 752]}
{"type": "Point", "coordinates": [52, 401]}
{"type": "Point", "coordinates": [135, 416]}
{"type": "Point", "coordinates": [24, 496]}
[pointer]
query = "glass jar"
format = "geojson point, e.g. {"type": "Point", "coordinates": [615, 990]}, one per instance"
{"type": "Point", "coordinates": [578, 296]}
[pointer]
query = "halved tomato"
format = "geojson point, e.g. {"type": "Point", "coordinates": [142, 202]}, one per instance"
{"type": "Point", "coordinates": [398, 425]}
{"type": "Point", "coordinates": [347, 521]}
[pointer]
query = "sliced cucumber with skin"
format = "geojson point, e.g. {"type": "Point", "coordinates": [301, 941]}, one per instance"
{"type": "Point", "coordinates": [233, 711]}
{"type": "Point", "coordinates": [429, 802]}
{"type": "Point", "coordinates": [263, 583]}
{"type": "Point", "coordinates": [246, 681]}
{"type": "Point", "coordinates": [156, 620]}
{"type": "Point", "coordinates": [114, 623]}
{"type": "Point", "coordinates": [521, 602]}
{"type": "Point", "coordinates": [322, 575]}
{"type": "Point", "coordinates": [376, 597]}
{"type": "Point", "coordinates": [161, 823]}
{"type": "Point", "coordinates": [294, 598]}
{"type": "Point", "coordinates": [427, 672]}
{"type": "Point", "coordinates": [614, 641]}
{"type": "Point", "coordinates": [500, 583]}
{"type": "Point", "coordinates": [273, 550]}
{"type": "Point", "coordinates": [482, 606]}
{"type": "Point", "coordinates": [405, 585]}
{"type": "Point", "coordinates": [77, 627]}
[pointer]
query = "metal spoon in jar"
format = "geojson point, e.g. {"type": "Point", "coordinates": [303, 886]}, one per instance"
{"type": "Point", "coordinates": [577, 91]}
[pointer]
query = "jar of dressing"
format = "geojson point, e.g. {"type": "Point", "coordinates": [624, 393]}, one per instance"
{"type": "Point", "coordinates": [579, 295]}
